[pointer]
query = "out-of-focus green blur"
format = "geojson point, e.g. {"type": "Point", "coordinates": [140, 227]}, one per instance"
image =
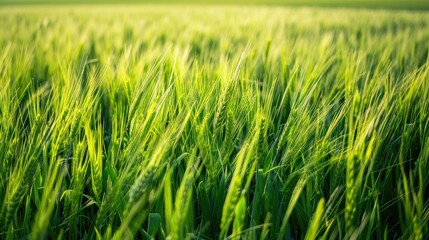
{"type": "Point", "coordinates": [388, 4]}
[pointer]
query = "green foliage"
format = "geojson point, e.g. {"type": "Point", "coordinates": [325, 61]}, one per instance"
{"type": "Point", "coordinates": [161, 122]}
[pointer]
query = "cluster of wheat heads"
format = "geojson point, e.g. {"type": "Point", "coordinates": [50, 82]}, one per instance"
{"type": "Point", "coordinates": [213, 122]}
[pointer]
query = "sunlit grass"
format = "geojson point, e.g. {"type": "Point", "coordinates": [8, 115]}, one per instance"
{"type": "Point", "coordinates": [213, 122]}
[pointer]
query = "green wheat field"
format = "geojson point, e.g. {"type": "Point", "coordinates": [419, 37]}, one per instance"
{"type": "Point", "coordinates": [187, 121]}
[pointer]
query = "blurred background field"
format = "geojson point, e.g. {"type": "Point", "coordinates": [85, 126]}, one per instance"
{"type": "Point", "coordinates": [386, 4]}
